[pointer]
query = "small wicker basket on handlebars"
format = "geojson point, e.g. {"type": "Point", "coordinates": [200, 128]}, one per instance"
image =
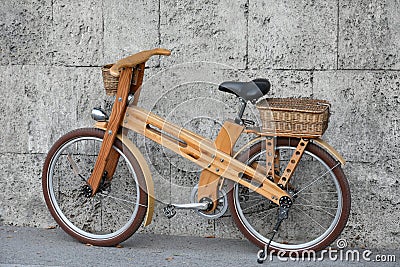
{"type": "Point", "coordinates": [299, 117]}
{"type": "Point", "coordinates": [111, 82]}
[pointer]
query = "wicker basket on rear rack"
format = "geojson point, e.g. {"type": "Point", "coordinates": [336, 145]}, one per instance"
{"type": "Point", "coordinates": [297, 117]}
{"type": "Point", "coordinates": [111, 82]}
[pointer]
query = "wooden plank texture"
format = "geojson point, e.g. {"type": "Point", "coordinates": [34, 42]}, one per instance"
{"type": "Point", "coordinates": [117, 114]}
{"type": "Point", "coordinates": [209, 181]}
{"type": "Point", "coordinates": [199, 150]}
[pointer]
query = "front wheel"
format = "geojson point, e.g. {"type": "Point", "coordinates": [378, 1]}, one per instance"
{"type": "Point", "coordinates": [321, 201]}
{"type": "Point", "coordinates": [115, 212]}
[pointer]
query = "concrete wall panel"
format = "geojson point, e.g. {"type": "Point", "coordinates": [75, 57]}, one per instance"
{"type": "Point", "coordinates": [369, 34]}
{"type": "Point", "coordinates": [204, 31]}
{"type": "Point", "coordinates": [292, 34]}
{"type": "Point", "coordinates": [25, 27]}
{"type": "Point", "coordinates": [77, 36]}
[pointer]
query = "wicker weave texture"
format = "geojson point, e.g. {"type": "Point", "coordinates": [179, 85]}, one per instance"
{"type": "Point", "coordinates": [300, 117]}
{"type": "Point", "coordinates": [111, 82]}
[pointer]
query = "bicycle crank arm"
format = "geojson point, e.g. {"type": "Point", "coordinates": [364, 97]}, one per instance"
{"type": "Point", "coordinates": [192, 206]}
{"type": "Point", "coordinates": [170, 212]}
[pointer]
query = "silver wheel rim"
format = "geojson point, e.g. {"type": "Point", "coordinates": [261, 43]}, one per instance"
{"type": "Point", "coordinates": [59, 211]}
{"type": "Point", "coordinates": [289, 247]}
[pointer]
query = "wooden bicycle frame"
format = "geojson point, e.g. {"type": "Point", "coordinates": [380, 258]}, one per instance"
{"type": "Point", "coordinates": [214, 157]}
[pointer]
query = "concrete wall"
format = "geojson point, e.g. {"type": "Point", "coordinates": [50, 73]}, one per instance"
{"type": "Point", "coordinates": [346, 51]}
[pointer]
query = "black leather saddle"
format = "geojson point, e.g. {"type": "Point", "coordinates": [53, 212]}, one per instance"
{"type": "Point", "coordinates": [250, 91]}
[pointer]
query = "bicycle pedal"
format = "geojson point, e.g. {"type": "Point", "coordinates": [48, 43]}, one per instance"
{"type": "Point", "coordinates": [169, 211]}
{"type": "Point", "coordinates": [248, 122]}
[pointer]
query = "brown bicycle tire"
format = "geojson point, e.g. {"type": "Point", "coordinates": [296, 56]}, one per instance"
{"type": "Point", "coordinates": [343, 183]}
{"type": "Point", "coordinates": [141, 212]}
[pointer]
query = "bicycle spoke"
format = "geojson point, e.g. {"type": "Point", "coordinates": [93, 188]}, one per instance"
{"type": "Point", "coordinates": [308, 201]}
{"type": "Point", "coordinates": [252, 206]}
{"type": "Point", "coordinates": [311, 204]}
{"type": "Point", "coordinates": [318, 193]}
{"type": "Point", "coordinates": [120, 199]}
{"type": "Point", "coordinates": [313, 182]}
{"type": "Point", "coordinates": [325, 200]}
{"type": "Point", "coordinates": [101, 215]}
{"type": "Point", "coordinates": [323, 228]}
{"type": "Point", "coordinates": [255, 200]}
{"type": "Point", "coordinates": [106, 218]}
{"type": "Point", "coordinates": [319, 201]}
{"type": "Point", "coordinates": [263, 217]}
{"type": "Point", "coordinates": [320, 208]}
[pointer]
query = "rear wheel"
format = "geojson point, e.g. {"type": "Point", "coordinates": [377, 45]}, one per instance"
{"type": "Point", "coordinates": [114, 213]}
{"type": "Point", "coordinates": [321, 201]}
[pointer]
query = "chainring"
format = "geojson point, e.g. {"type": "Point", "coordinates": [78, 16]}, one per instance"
{"type": "Point", "coordinates": [221, 208]}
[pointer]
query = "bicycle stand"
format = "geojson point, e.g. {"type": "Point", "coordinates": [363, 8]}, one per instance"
{"type": "Point", "coordinates": [285, 204]}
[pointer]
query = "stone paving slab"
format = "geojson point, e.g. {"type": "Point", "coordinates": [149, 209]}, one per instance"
{"type": "Point", "coordinates": [52, 247]}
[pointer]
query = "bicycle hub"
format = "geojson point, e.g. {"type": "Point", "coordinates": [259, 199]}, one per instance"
{"type": "Point", "coordinates": [87, 190]}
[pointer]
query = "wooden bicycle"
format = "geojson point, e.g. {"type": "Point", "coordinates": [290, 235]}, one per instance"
{"type": "Point", "coordinates": [285, 189]}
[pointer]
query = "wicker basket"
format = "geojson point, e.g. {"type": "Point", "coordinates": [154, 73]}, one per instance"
{"type": "Point", "coordinates": [111, 82]}
{"type": "Point", "coordinates": [299, 117]}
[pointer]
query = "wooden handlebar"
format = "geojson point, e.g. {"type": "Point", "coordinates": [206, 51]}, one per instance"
{"type": "Point", "coordinates": [136, 59]}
